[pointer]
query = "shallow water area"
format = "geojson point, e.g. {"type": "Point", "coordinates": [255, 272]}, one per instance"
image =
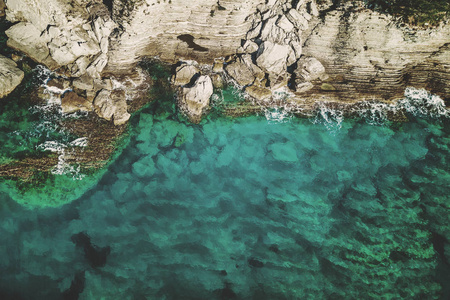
{"type": "Point", "coordinates": [261, 207]}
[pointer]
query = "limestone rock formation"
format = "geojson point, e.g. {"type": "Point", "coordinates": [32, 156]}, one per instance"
{"type": "Point", "coordinates": [195, 100]}
{"type": "Point", "coordinates": [112, 105]}
{"type": "Point", "coordinates": [346, 54]}
{"type": "Point", "coordinates": [10, 76]}
{"type": "Point", "coordinates": [184, 74]}
{"type": "Point", "coordinates": [244, 71]}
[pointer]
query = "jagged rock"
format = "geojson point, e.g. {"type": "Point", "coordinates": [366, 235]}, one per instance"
{"type": "Point", "coordinates": [71, 103]}
{"type": "Point", "coordinates": [244, 71]}
{"type": "Point", "coordinates": [272, 33]}
{"type": "Point", "coordinates": [297, 19]}
{"type": "Point", "coordinates": [309, 69]}
{"type": "Point", "coordinates": [248, 47]}
{"type": "Point", "coordinates": [112, 105]}
{"type": "Point", "coordinates": [27, 38]}
{"type": "Point", "coordinates": [194, 100]}
{"type": "Point", "coordinates": [259, 93]}
{"type": "Point", "coordinates": [278, 81]}
{"type": "Point", "coordinates": [10, 76]}
{"type": "Point", "coordinates": [184, 74]}
{"type": "Point", "coordinates": [272, 58]}
{"type": "Point", "coordinates": [284, 23]}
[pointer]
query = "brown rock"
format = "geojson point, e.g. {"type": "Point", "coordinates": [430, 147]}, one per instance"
{"type": "Point", "coordinates": [2, 8]}
{"type": "Point", "coordinates": [258, 93]}
{"type": "Point", "coordinates": [71, 103]}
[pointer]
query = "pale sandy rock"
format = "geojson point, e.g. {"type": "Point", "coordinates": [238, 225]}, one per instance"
{"type": "Point", "coordinates": [10, 76]}
{"type": "Point", "coordinates": [284, 23]}
{"type": "Point", "coordinates": [83, 83]}
{"type": "Point", "coordinates": [184, 74]}
{"type": "Point", "coordinates": [27, 38]}
{"type": "Point", "coordinates": [278, 81]}
{"type": "Point", "coordinates": [62, 55]}
{"type": "Point", "coordinates": [254, 32]}
{"type": "Point", "coordinates": [80, 66]}
{"type": "Point", "coordinates": [96, 67]}
{"type": "Point", "coordinates": [112, 105]}
{"type": "Point", "coordinates": [244, 71]}
{"type": "Point", "coordinates": [272, 58]}
{"type": "Point", "coordinates": [259, 93]}
{"type": "Point", "coordinates": [71, 103]}
{"type": "Point", "coordinates": [194, 100]}
{"type": "Point", "coordinates": [271, 32]}
{"type": "Point", "coordinates": [248, 47]}
{"type": "Point", "coordinates": [303, 87]}
{"type": "Point", "coordinates": [297, 19]}
{"type": "Point", "coordinates": [309, 69]}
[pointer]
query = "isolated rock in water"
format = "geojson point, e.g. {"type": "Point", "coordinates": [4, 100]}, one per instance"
{"type": "Point", "coordinates": [71, 103]}
{"type": "Point", "coordinates": [112, 105]}
{"type": "Point", "coordinates": [196, 98]}
{"type": "Point", "coordinates": [244, 71]}
{"type": "Point", "coordinates": [309, 69]}
{"type": "Point", "coordinates": [272, 58]}
{"type": "Point", "coordinates": [10, 76]}
{"type": "Point", "coordinates": [184, 74]}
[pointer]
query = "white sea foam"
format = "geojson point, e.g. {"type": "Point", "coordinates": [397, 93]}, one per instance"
{"type": "Point", "coordinates": [278, 114]}
{"type": "Point", "coordinates": [330, 117]}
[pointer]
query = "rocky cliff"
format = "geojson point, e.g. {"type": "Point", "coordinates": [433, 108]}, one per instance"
{"type": "Point", "coordinates": [314, 52]}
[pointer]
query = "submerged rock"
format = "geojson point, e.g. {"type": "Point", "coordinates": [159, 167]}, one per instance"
{"type": "Point", "coordinates": [10, 76]}
{"type": "Point", "coordinates": [195, 99]}
{"type": "Point", "coordinates": [95, 255]}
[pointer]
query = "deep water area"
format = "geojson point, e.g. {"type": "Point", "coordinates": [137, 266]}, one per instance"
{"type": "Point", "coordinates": [259, 207]}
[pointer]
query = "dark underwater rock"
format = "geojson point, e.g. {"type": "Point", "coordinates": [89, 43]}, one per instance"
{"type": "Point", "coordinates": [95, 255]}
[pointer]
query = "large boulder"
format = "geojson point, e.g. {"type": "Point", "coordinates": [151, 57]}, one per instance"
{"type": "Point", "coordinates": [27, 38]}
{"type": "Point", "coordinates": [272, 58]}
{"type": "Point", "coordinates": [309, 69]}
{"type": "Point", "coordinates": [244, 71]}
{"type": "Point", "coordinates": [112, 105]}
{"type": "Point", "coordinates": [71, 103]}
{"type": "Point", "coordinates": [10, 76]}
{"type": "Point", "coordinates": [184, 74]}
{"type": "Point", "coordinates": [195, 99]}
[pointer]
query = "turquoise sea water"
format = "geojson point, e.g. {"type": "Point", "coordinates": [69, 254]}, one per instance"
{"type": "Point", "coordinates": [262, 207]}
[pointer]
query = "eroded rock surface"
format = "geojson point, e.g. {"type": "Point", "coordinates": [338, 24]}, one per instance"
{"type": "Point", "coordinates": [195, 100]}
{"type": "Point", "coordinates": [342, 53]}
{"type": "Point", "coordinates": [10, 76]}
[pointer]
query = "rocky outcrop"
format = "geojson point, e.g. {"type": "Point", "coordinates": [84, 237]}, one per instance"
{"type": "Point", "coordinates": [10, 76]}
{"type": "Point", "coordinates": [184, 73]}
{"type": "Point", "coordinates": [343, 53]}
{"type": "Point", "coordinates": [194, 100]}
